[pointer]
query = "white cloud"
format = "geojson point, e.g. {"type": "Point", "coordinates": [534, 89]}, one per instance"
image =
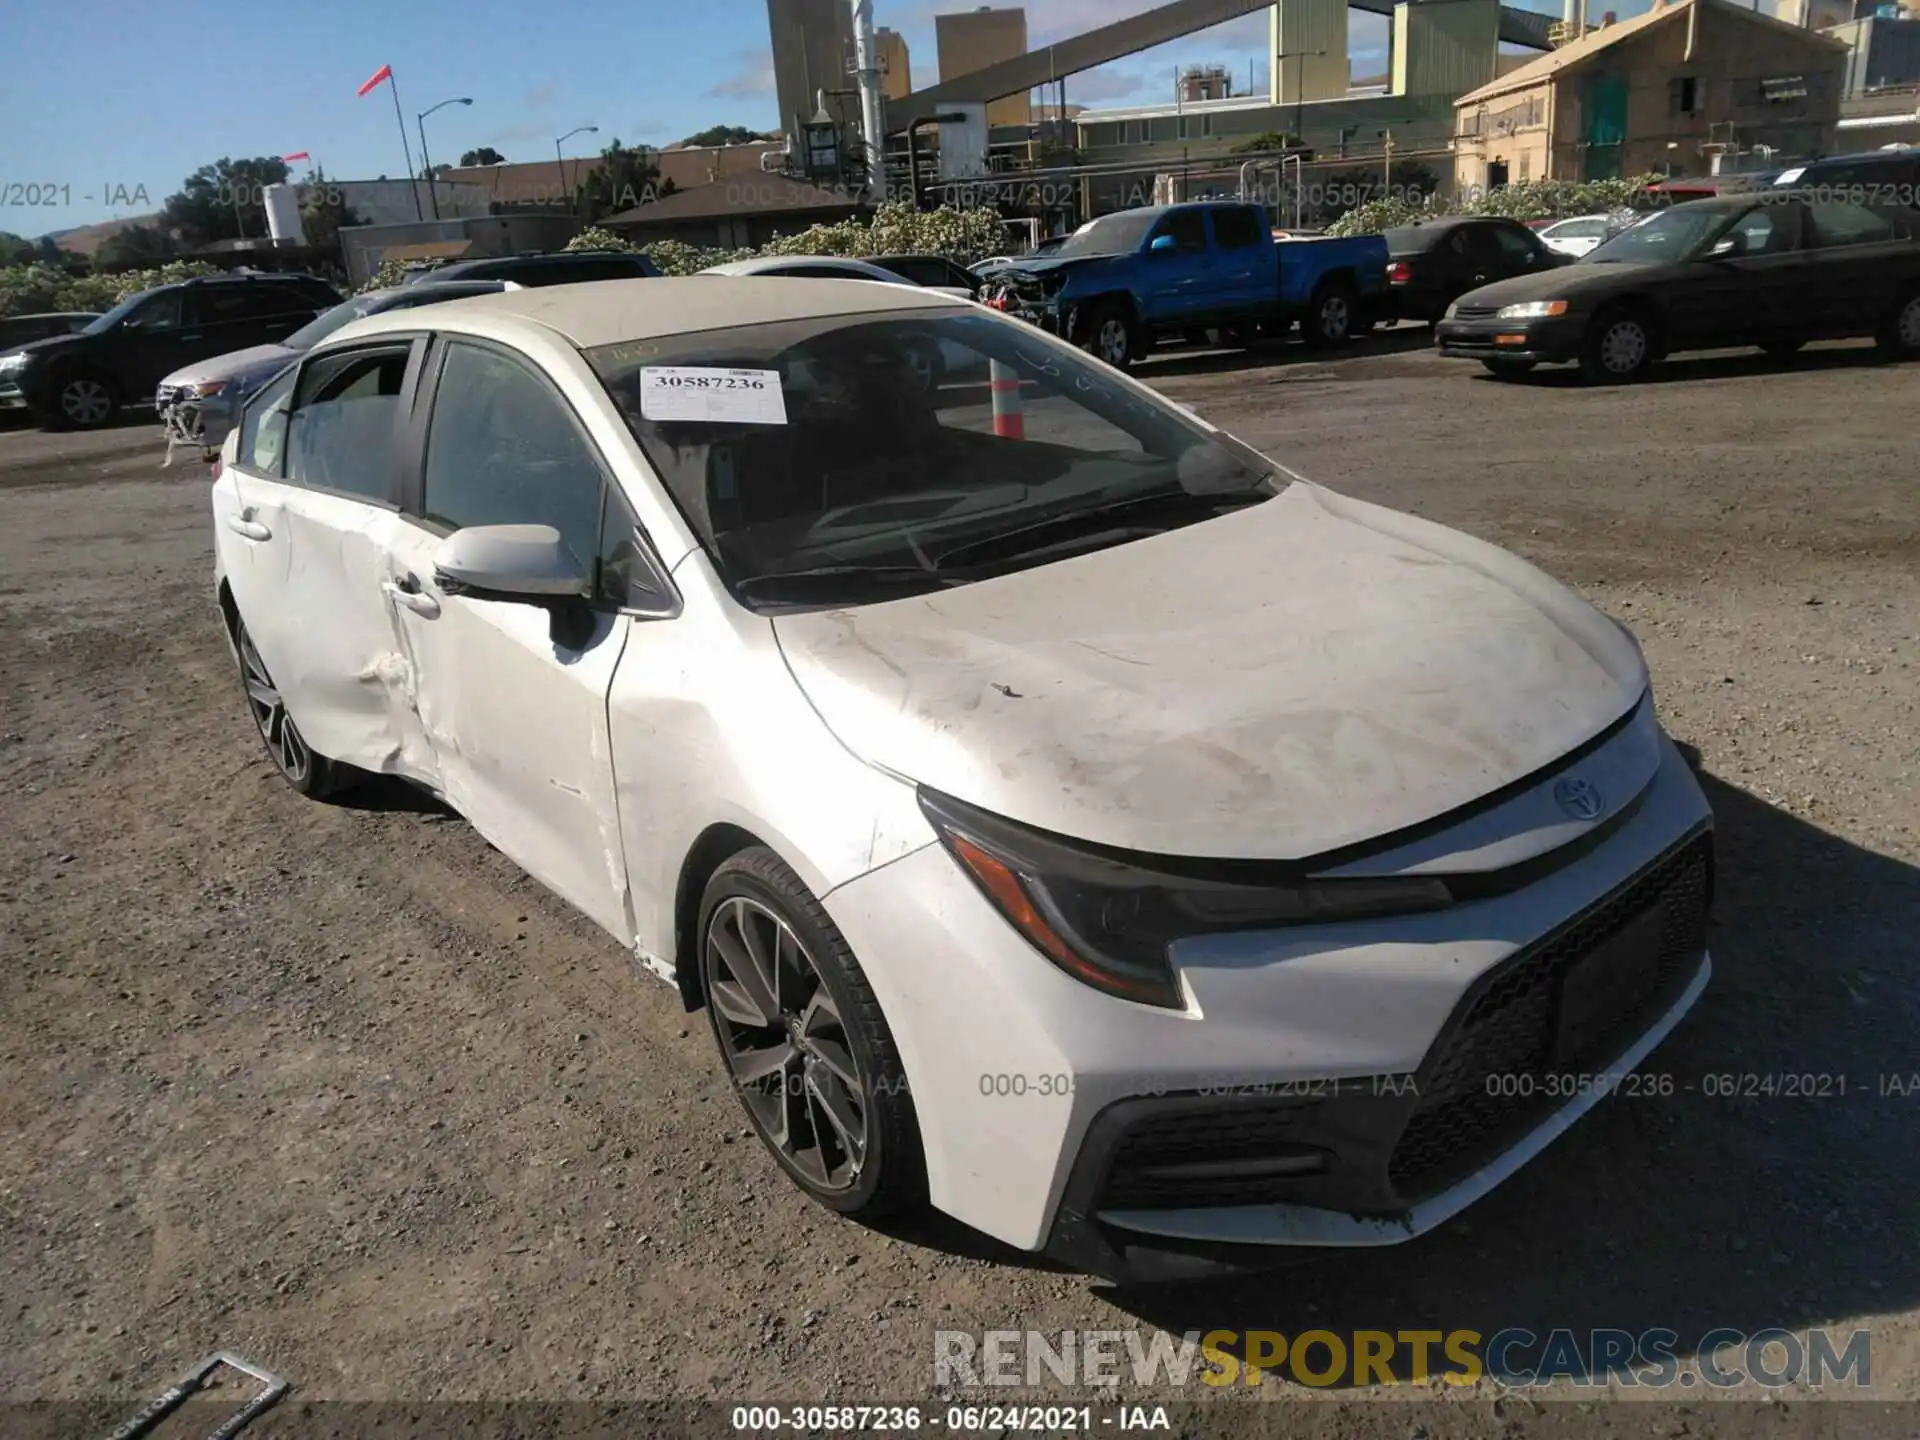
{"type": "Point", "coordinates": [752, 78]}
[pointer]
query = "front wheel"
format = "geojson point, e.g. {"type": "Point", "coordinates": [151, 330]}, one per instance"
{"type": "Point", "coordinates": [1619, 347]}
{"type": "Point", "coordinates": [804, 1042]}
{"type": "Point", "coordinates": [1109, 332]}
{"type": "Point", "coordinates": [1330, 316]}
{"type": "Point", "coordinates": [1900, 336]}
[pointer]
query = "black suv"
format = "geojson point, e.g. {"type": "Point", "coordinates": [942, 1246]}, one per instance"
{"type": "Point", "coordinates": [82, 380]}
{"type": "Point", "coordinates": [566, 267]}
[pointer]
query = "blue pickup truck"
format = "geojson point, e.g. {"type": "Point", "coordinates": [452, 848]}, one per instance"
{"type": "Point", "coordinates": [1128, 279]}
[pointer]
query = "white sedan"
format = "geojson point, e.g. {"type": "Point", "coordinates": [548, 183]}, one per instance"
{"type": "Point", "coordinates": [1582, 234]}
{"type": "Point", "coordinates": [1063, 813]}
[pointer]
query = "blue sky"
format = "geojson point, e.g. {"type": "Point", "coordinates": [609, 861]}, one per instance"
{"type": "Point", "coordinates": [107, 102]}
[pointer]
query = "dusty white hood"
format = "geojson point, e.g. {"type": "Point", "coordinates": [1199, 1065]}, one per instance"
{"type": "Point", "coordinates": [250, 366]}
{"type": "Point", "coordinates": [1276, 683]}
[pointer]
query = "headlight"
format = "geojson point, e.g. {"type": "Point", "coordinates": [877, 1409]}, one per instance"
{"type": "Point", "coordinates": [1108, 918]}
{"type": "Point", "coordinates": [1451, 310]}
{"type": "Point", "coordinates": [201, 389]}
{"type": "Point", "coordinates": [1533, 310]}
{"type": "Point", "coordinates": [16, 361]}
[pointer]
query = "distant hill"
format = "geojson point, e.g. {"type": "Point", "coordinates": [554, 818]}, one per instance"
{"type": "Point", "coordinates": [87, 239]}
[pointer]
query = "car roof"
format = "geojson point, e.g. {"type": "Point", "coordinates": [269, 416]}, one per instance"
{"type": "Point", "coordinates": [610, 312]}
{"type": "Point", "coordinates": [761, 264]}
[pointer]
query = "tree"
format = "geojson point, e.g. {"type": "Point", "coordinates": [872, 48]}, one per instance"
{"type": "Point", "coordinates": [323, 210]}
{"type": "Point", "coordinates": [16, 249]}
{"type": "Point", "coordinates": [1269, 140]}
{"type": "Point", "coordinates": [485, 155]}
{"type": "Point", "coordinates": [628, 176]}
{"type": "Point", "coordinates": [136, 246]}
{"type": "Point", "coordinates": [223, 201]}
{"type": "Point", "coordinates": [723, 135]}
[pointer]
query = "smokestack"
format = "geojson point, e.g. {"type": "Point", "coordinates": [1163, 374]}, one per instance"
{"type": "Point", "coordinates": [872, 103]}
{"type": "Point", "coordinates": [1566, 13]}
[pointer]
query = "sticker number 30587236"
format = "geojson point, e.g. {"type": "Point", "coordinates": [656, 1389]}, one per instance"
{"type": "Point", "coordinates": [714, 396]}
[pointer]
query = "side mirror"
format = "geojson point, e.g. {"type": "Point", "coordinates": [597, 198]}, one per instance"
{"type": "Point", "coordinates": [519, 564]}
{"type": "Point", "coordinates": [1727, 247]}
{"type": "Point", "coordinates": [1161, 244]}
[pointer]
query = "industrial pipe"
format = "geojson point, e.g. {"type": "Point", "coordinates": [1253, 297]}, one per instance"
{"type": "Point", "coordinates": [872, 103]}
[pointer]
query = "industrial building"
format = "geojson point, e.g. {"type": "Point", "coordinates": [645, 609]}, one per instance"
{"type": "Point", "coordinates": [975, 39]}
{"type": "Point", "coordinates": [1695, 86]}
{"type": "Point", "coordinates": [896, 64]}
{"type": "Point", "coordinates": [813, 53]}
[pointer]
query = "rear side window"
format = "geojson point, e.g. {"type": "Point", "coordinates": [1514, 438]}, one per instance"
{"type": "Point", "coordinates": [344, 422]}
{"type": "Point", "coordinates": [504, 449]}
{"type": "Point", "coordinates": [1236, 228]}
{"type": "Point", "coordinates": [1835, 225]}
{"type": "Point", "coordinates": [920, 269]}
{"type": "Point", "coordinates": [1518, 244]}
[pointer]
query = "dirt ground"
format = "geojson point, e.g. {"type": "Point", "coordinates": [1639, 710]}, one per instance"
{"type": "Point", "coordinates": [341, 1090]}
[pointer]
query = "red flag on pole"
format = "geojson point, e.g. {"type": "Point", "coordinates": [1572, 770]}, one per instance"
{"type": "Point", "coordinates": [296, 155]}
{"type": "Point", "coordinates": [385, 72]}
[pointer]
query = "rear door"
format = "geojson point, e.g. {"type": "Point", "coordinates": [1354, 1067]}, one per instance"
{"type": "Point", "coordinates": [1520, 251]}
{"type": "Point", "coordinates": [1176, 282]}
{"type": "Point", "coordinates": [303, 520]}
{"type": "Point", "coordinates": [516, 715]}
{"type": "Point", "coordinates": [1856, 252]}
{"type": "Point", "coordinates": [1245, 273]}
{"type": "Point", "coordinates": [158, 338]}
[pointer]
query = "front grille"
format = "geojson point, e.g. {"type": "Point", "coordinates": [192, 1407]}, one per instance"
{"type": "Point", "coordinates": [1506, 1026]}
{"type": "Point", "coordinates": [1475, 312]}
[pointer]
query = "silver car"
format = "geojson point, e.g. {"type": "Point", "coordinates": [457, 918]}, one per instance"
{"type": "Point", "coordinates": [198, 402]}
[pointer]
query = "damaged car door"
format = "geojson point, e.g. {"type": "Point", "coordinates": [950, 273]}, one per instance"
{"type": "Point", "coordinates": [512, 680]}
{"type": "Point", "coordinates": [304, 518]}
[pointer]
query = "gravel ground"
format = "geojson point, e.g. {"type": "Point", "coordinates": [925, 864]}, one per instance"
{"type": "Point", "coordinates": [340, 1089]}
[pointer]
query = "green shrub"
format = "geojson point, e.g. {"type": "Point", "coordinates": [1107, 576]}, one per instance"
{"type": "Point", "coordinates": [1523, 200]}
{"type": "Point", "coordinates": [35, 289]}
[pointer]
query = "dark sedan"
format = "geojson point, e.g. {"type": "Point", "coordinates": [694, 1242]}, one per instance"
{"type": "Point", "coordinates": [1773, 270]}
{"type": "Point", "coordinates": [1431, 263]}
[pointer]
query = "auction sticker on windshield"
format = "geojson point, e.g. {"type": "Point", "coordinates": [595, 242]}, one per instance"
{"type": "Point", "coordinates": [712, 396]}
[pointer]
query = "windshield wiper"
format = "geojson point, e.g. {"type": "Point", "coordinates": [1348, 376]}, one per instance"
{"type": "Point", "coordinates": [1049, 531]}
{"type": "Point", "coordinates": [879, 575]}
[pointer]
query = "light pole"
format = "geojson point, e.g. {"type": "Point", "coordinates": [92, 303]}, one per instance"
{"type": "Point", "coordinates": [560, 164]}
{"type": "Point", "coordinates": [421, 121]}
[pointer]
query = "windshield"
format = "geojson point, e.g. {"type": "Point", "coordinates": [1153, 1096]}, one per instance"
{"type": "Point", "coordinates": [1663, 237]}
{"type": "Point", "coordinates": [1109, 235]}
{"type": "Point", "coordinates": [118, 313]}
{"type": "Point", "coordinates": [840, 460]}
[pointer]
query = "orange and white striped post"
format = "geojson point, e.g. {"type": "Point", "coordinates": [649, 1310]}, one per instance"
{"type": "Point", "coordinates": [1004, 384]}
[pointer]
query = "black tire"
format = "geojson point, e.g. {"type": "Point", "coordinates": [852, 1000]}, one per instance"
{"type": "Point", "coordinates": [309, 773]}
{"type": "Point", "coordinates": [81, 400]}
{"type": "Point", "coordinates": [1330, 315]}
{"type": "Point", "coordinates": [1899, 337]}
{"type": "Point", "coordinates": [889, 1177]}
{"type": "Point", "coordinates": [1508, 369]}
{"type": "Point", "coordinates": [1109, 332]}
{"type": "Point", "coordinates": [1781, 349]}
{"type": "Point", "coordinates": [1621, 345]}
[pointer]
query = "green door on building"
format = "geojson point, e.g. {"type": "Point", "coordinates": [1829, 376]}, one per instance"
{"type": "Point", "coordinates": [1605, 106]}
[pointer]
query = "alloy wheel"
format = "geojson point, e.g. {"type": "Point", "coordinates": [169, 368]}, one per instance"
{"type": "Point", "coordinates": [1113, 340]}
{"type": "Point", "coordinates": [786, 1044]}
{"type": "Point", "coordinates": [85, 401]}
{"type": "Point", "coordinates": [1335, 318]}
{"type": "Point", "coordinates": [1623, 349]}
{"type": "Point", "coordinates": [284, 742]}
{"type": "Point", "coordinates": [1908, 326]}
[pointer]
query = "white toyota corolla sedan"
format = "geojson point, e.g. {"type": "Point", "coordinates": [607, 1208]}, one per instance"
{"type": "Point", "coordinates": [1064, 814]}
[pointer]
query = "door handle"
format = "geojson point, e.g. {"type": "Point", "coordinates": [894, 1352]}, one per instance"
{"type": "Point", "coordinates": [408, 595]}
{"type": "Point", "coordinates": [192, 335]}
{"type": "Point", "coordinates": [247, 528]}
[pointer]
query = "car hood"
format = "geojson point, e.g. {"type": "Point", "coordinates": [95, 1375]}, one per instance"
{"type": "Point", "coordinates": [48, 346]}
{"type": "Point", "coordinates": [249, 367]}
{"type": "Point", "coordinates": [1277, 683]}
{"type": "Point", "coordinates": [1562, 282]}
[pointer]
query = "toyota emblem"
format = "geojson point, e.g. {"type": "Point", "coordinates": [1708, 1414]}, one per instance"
{"type": "Point", "coordinates": [1579, 798]}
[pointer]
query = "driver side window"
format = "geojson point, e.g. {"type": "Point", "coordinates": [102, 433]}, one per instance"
{"type": "Point", "coordinates": [162, 312]}
{"type": "Point", "coordinates": [1188, 229]}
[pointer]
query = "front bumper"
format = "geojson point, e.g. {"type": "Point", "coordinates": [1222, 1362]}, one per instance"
{"type": "Point", "coordinates": [11, 396]}
{"type": "Point", "coordinates": [1544, 341]}
{"type": "Point", "coordinates": [1327, 1085]}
